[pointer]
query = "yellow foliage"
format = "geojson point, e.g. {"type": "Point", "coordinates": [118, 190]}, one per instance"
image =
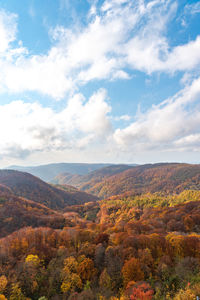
{"type": "Point", "coordinates": [70, 264]}
{"type": "Point", "coordinates": [2, 297]}
{"type": "Point", "coordinates": [196, 289]}
{"type": "Point", "coordinates": [124, 297]}
{"type": "Point", "coordinates": [176, 241]}
{"type": "Point", "coordinates": [65, 287]}
{"type": "Point", "coordinates": [71, 283]}
{"type": "Point", "coordinates": [185, 295]}
{"type": "Point", "coordinates": [3, 283]}
{"type": "Point", "coordinates": [16, 293]}
{"type": "Point", "coordinates": [33, 259]}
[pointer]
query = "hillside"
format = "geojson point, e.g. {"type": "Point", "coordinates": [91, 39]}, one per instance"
{"type": "Point", "coordinates": [48, 172]}
{"type": "Point", "coordinates": [80, 197]}
{"type": "Point", "coordinates": [89, 180]}
{"type": "Point", "coordinates": [130, 252]}
{"type": "Point", "coordinates": [168, 178]}
{"type": "Point", "coordinates": [17, 212]}
{"type": "Point", "coordinates": [68, 179]}
{"type": "Point", "coordinates": [141, 242]}
{"type": "Point", "coordinates": [30, 187]}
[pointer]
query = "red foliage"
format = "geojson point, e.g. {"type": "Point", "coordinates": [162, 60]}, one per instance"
{"type": "Point", "coordinates": [142, 291]}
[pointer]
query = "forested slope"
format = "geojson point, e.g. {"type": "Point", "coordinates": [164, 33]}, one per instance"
{"type": "Point", "coordinates": [28, 186]}
{"type": "Point", "coordinates": [168, 178]}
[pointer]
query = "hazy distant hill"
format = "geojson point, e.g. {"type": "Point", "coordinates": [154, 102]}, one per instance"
{"type": "Point", "coordinates": [172, 178]}
{"type": "Point", "coordinates": [89, 180]}
{"type": "Point", "coordinates": [28, 186]}
{"type": "Point", "coordinates": [69, 179]}
{"type": "Point", "coordinates": [48, 172]}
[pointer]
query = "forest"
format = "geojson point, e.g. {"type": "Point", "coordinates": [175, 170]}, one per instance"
{"type": "Point", "coordinates": [137, 241]}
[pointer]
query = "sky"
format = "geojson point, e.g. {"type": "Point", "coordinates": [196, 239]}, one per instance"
{"type": "Point", "coordinates": [113, 81]}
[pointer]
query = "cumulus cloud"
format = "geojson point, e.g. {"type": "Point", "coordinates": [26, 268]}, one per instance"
{"type": "Point", "coordinates": [119, 35]}
{"type": "Point", "coordinates": [30, 127]}
{"type": "Point", "coordinates": [172, 125]}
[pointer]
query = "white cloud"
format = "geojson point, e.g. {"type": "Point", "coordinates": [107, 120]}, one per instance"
{"type": "Point", "coordinates": [30, 127]}
{"type": "Point", "coordinates": [123, 118]}
{"type": "Point", "coordinates": [190, 142]}
{"type": "Point", "coordinates": [193, 8]}
{"type": "Point", "coordinates": [8, 30]}
{"type": "Point", "coordinates": [184, 57]}
{"type": "Point", "coordinates": [172, 125]}
{"type": "Point", "coordinates": [120, 34]}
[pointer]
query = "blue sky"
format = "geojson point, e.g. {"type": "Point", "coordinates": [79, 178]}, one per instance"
{"type": "Point", "coordinates": [99, 81]}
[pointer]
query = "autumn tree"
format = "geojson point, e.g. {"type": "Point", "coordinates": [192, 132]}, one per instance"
{"type": "Point", "coordinates": [3, 283]}
{"type": "Point", "coordinates": [71, 280]}
{"type": "Point", "coordinates": [85, 268]}
{"type": "Point", "coordinates": [105, 280]}
{"type": "Point", "coordinates": [142, 291]}
{"type": "Point", "coordinates": [16, 293]}
{"type": "Point", "coordinates": [131, 271]}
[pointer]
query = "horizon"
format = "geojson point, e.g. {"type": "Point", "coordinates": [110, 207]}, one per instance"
{"type": "Point", "coordinates": [104, 80]}
{"type": "Point", "coordinates": [99, 163]}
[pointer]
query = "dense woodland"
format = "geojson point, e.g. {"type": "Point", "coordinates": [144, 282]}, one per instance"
{"type": "Point", "coordinates": [115, 180]}
{"type": "Point", "coordinates": [138, 243]}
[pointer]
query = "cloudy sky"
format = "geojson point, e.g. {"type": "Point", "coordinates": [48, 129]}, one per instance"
{"type": "Point", "coordinates": [99, 81]}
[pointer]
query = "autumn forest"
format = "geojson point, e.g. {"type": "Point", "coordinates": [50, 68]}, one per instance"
{"type": "Point", "coordinates": [107, 232]}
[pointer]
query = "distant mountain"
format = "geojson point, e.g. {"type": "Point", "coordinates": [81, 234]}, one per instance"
{"type": "Point", "coordinates": [48, 172]}
{"type": "Point", "coordinates": [30, 187]}
{"type": "Point", "coordinates": [168, 178]}
{"type": "Point", "coordinates": [89, 180]}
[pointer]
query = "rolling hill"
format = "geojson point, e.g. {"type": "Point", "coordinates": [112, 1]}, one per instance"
{"type": "Point", "coordinates": [18, 212]}
{"type": "Point", "coordinates": [28, 186]}
{"type": "Point", "coordinates": [89, 180]}
{"type": "Point", "coordinates": [166, 177]}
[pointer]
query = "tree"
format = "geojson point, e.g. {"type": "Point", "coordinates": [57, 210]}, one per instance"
{"type": "Point", "coordinates": [16, 293]}
{"type": "Point", "coordinates": [32, 260]}
{"type": "Point", "coordinates": [71, 280]}
{"type": "Point", "coordinates": [142, 291]}
{"type": "Point", "coordinates": [86, 269]}
{"type": "Point", "coordinates": [3, 283]}
{"type": "Point", "coordinates": [132, 271]}
{"type": "Point", "coordinates": [105, 280]}
{"type": "Point", "coordinates": [71, 283]}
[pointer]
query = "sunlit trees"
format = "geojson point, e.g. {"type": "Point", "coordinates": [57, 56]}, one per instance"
{"type": "Point", "coordinates": [71, 280]}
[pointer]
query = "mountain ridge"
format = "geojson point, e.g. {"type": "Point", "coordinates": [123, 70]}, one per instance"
{"type": "Point", "coordinates": [168, 177]}
{"type": "Point", "coordinates": [47, 172]}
